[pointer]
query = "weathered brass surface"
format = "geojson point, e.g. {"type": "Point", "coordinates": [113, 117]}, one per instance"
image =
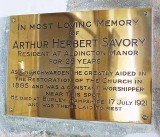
{"type": "Point", "coordinates": [91, 65]}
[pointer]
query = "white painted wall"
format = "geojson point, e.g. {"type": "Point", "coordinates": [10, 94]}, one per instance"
{"type": "Point", "coordinates": [16, 7]}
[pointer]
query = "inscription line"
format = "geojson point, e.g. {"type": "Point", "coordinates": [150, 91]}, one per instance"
{"type": "Point", "coordinates": [64, 67]}
{"type": "Point", "coordinates": [82, 67]}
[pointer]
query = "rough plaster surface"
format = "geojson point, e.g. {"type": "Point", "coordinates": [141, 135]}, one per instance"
{"type": "Point", "coordinates": [40, 127]}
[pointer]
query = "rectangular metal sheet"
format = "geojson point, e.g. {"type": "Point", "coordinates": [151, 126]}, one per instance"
{"type": "Point", "coordinates": [90, 65]}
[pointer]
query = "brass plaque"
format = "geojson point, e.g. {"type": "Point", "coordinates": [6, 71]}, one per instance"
{"type": "Point", "coordinates": [90, 65]}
